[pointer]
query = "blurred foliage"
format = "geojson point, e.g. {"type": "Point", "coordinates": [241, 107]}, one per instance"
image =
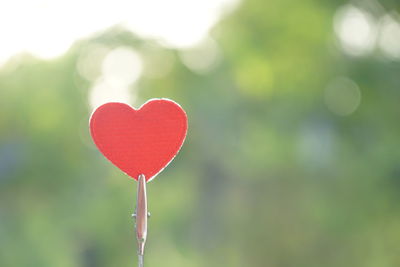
{"type": "Point", "coordinates": [268, 176]}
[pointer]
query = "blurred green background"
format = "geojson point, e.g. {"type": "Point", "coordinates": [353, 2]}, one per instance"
{"type": "Point", "coordinates": [292, 158]}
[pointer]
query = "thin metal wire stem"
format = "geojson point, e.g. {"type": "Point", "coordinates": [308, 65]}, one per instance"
{"type": "Point", "coordinates": [141, 216]}
{"type": "Point", "coordinates": [141, 260]}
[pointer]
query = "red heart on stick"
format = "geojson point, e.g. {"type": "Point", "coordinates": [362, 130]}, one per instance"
{"type": "Point", "coordinates": [142, 141]}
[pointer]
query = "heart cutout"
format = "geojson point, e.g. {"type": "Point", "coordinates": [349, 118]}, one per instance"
{"type": "Point", "coordinates": [139, 141]}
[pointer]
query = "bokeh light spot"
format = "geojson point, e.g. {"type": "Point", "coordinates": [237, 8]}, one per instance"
{"type": "Point", "coordinates": [122, 66]}
{"type": "Point", "coordinates": [103, 92]}
{"type": "Point", "coordinates": [355, 29]}
{"type": "Point", "coordinates": [342, 96]}
{"type": "Point", "coordinates": [201, 58]}
{"type": "Point", "coordinates": [389, 38]}
{"type": "Point", "coordinates": [90, 61]}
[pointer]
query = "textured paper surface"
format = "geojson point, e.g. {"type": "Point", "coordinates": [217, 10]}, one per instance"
{"type": "Point", "coordinates": [141, 141]}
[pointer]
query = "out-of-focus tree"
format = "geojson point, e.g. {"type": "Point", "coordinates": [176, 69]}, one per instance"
{"type": "Point", "coordinates": [292, 155]}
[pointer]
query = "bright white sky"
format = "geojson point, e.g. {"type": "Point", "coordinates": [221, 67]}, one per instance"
{"type": "Point", "coordinates": [47, 28]}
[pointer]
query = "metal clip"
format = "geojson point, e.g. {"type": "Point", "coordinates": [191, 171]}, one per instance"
{"type": "Point", "coordinates": [141, 216]}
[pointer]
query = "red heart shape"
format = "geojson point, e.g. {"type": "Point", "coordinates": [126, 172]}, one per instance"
{"type": "Point", "coordinates": [142, 141]}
